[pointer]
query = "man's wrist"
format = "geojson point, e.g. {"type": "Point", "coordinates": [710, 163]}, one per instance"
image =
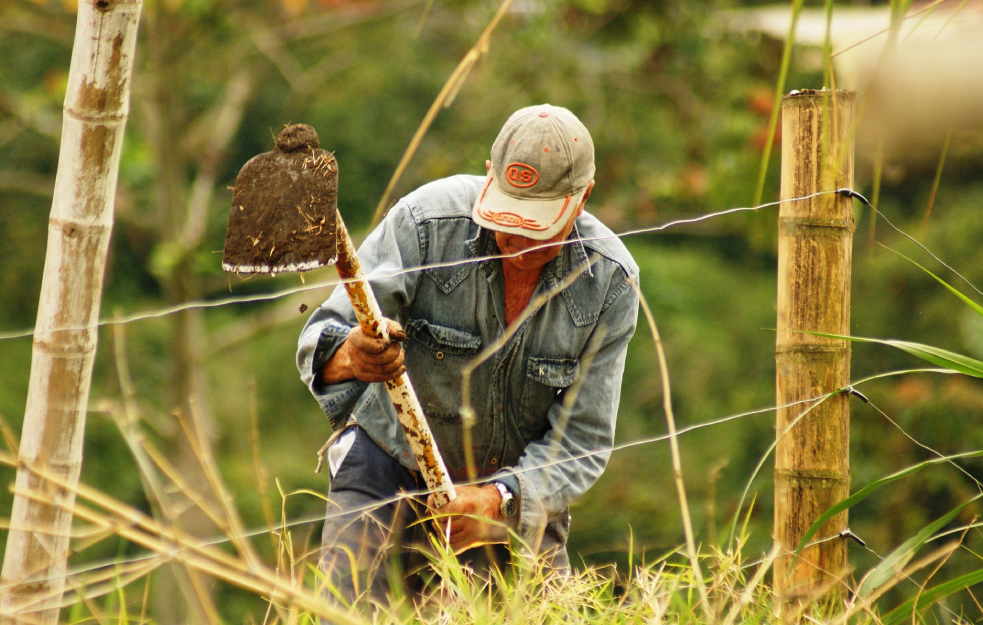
{"type": "Point", "coordinates": [494, 511]}
{"type": "Point", "coordinates": [339, 368]}
{"type": "Point", "coordinates": [509, 505]}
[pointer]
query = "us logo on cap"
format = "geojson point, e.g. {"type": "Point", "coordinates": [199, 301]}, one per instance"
{"type": "Point", "coordinates": [521, 175]}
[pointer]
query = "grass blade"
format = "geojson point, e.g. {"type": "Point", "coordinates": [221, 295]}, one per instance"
{"type": "Point", "coordinates": [777, 107]}
{"type": "Point", "coordinates": [904, 612]}
{"type": "Point", "coordinates": [938, 178]}
{"type": "Point", "coordinates": [899, 558]}
{"type": "Point", "coordinates": [862, 494]}
{"type": "Point", "coordinates": [935, 355]}
{"type": "Point", "coordinates": [953, 289]}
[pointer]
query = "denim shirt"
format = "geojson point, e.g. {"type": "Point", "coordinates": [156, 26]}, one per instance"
{"type": "Point", "coordinates": [451, 312]}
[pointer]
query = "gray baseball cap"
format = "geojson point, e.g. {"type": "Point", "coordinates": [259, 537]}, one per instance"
{"type": "Point", "coordinates": [541, 164]}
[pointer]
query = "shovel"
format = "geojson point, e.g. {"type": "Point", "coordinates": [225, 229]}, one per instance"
{"type": "Point", "coordinates": [284, 217]}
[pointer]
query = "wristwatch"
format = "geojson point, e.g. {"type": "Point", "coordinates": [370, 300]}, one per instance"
{"type": "Point", "coordinates": [509, 506]}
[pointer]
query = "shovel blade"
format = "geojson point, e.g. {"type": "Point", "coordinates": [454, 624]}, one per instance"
{"type": "Point", "coordinates": [284, 208]}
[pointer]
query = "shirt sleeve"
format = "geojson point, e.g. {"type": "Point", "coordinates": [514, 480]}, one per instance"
{"type": "Point", "coordinates": [386, 255]}
{"type": "Point", "coordinates": [559, 468]}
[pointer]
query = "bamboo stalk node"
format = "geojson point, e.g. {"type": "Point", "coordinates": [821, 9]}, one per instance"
{"type": "Point", "coordinates": [815, 351]}
{"type": "Point", "coordinates": [812, 474]}
{"type": "Point", "coordinates": [815, 226]}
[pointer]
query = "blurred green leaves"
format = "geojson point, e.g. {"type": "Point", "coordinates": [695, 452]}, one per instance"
{"type": "Point", "coordinates": [679, 111]}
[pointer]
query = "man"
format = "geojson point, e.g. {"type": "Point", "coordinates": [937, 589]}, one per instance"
{"type": "Point", "coordinates": [539, 441]}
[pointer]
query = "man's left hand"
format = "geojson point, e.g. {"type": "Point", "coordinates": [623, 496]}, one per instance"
{"type": "Point", "coordinates": [474, 517]}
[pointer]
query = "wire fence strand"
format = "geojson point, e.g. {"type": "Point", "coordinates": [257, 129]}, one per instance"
{"type": "Point", "coordinates": [275, 295]}
{"type": "Point", "coordinates": [865, 201]}
{"type": "Point", "coordinates": [250, 533]}
{"type": "Point", "coordinates": [421, 495]}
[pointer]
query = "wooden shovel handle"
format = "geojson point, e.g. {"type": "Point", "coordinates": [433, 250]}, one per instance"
{"type": "Point", "coordinates": [400, 390]}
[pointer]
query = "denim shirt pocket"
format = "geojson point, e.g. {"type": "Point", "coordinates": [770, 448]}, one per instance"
{"type": "Point", "coordinates": [439, 353]}
{"type": "Point", "coordinates": [545, 378]}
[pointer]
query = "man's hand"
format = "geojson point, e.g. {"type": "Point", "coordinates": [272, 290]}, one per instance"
{"type": "Point", "coordinates": [367, 359]}
{"type": "Point", "coordinates": [482, 525]}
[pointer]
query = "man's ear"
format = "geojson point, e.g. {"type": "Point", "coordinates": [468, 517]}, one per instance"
{"type": "Point", "coordinates": [583, 200]}
{"type": "Point", "coordinates": [487, 165]}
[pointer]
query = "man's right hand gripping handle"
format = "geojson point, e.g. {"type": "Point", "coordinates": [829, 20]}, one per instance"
{"type": "Point", "coordinates": [367, 359]}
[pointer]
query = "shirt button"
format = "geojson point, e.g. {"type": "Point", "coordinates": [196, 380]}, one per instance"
{"type": "Point", "coordinates": [494, 460]}
{"type": "Point", "coordinates": [440, 355]}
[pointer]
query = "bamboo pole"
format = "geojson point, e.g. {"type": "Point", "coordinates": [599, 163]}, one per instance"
{"type": "Point", "coordinates": [65, 336]}
{"type": "Point", "coordinates": [812, 467]}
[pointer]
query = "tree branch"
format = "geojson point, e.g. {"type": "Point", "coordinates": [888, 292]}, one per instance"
{"type": "Point", "coordinates": [227, 120]}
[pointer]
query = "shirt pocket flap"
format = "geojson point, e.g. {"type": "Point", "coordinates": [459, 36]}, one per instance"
{"type": "Point", "coordinates": [442, 338]}
{"type": "Point", "coordinates": [558, 373]}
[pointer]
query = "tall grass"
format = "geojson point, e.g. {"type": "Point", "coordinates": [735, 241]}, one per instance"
{"type": "Point", "coordinates": [652, 589]}
{"type": "Point", "coordinates": [690, 584]}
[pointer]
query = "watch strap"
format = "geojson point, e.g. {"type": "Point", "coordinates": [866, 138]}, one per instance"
{"type": "Point", "coordinates": [509, 506]}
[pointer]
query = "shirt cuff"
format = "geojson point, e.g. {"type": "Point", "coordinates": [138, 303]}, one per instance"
{"type": "Point", "coordinates": [332, 337]}
{"type": "Point", "coordinates": [336, 400]}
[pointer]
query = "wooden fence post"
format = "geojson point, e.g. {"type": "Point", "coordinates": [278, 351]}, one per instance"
{"type": "Point", "coordinates": [812, 466]}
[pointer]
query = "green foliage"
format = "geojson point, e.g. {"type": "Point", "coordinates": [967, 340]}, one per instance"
{"type": "Point", "coordinates": [670, 97]}
{"type": "Point", "coordinates": [937, 356]}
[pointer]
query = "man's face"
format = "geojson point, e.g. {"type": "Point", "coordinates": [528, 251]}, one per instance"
{"type": "Point", "coordinates": [514, 243]}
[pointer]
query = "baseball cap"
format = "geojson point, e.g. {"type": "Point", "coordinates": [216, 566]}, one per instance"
{"type": "Point", "coordinates": [541, 164]}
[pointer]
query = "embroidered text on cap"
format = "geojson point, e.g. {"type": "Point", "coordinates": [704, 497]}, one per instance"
{"type": "Point", "coordinates": [521, 175]}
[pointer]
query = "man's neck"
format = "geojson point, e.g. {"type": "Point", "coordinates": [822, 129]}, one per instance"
{"type": "Point", "coordinates": [520, 284]}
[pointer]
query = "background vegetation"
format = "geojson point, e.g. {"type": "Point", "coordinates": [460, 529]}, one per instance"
{"type": "Point", "coordinates": [678, 106]}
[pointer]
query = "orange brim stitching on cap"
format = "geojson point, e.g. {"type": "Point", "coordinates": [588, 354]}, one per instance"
{"type": "Point", "coordinates": [508, 219]}
{"type": "Point", "coordinates": [562, 210]}
{"type": "Point", "coordinates": [511, 220]}
{"type": "Point", "coordinates": [485, 190]}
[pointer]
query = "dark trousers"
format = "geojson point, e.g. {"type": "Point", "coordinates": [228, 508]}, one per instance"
{"type": "Point", "coordinates": [375, 548]}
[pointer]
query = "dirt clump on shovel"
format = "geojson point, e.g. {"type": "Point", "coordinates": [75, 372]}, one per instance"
{"type": "Point", "coordinates": [284, 208]}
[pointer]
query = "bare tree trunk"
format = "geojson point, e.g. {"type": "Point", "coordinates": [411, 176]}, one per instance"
{"type": "Point", "coordinates": [815, 243]}
{"type": "Point", "coordinates": [65, 338]}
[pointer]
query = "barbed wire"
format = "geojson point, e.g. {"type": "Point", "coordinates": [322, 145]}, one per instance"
{"type": "Point", "coordinates": [911, 438]}
{"type": "Point", "coordinates": [263, 297]}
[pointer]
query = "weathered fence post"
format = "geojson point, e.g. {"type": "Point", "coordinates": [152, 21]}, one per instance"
{"type": "Point", "coordinates": [65, 335]}
{"type": "Point", "coordinates": [812, 466]}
